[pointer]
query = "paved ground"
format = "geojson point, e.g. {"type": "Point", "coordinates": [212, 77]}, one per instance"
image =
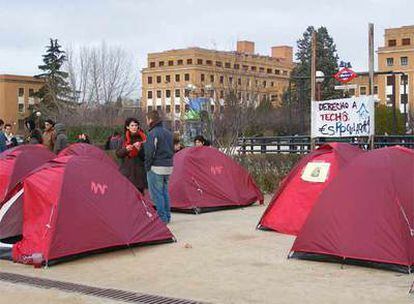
{"type": "Point", "coordinates": [219, 258]}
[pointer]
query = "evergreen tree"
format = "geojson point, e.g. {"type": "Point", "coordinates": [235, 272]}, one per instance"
{"type": "Point", "coordinates": [55, 93]}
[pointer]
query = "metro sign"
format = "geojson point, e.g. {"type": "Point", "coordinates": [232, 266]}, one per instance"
{"type": "Point", "coordinates": [345, 75]}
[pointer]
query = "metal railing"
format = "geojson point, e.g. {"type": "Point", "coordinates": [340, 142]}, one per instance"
{"type": "Point", "coordinates": [302, 144]}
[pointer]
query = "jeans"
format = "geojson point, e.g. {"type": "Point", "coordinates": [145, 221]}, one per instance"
{"type": "Point", "coordinates": [158, 188]}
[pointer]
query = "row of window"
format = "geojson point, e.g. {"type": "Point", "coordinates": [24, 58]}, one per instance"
{"type": "Point", "coordinates": [272, 97]}
{"type": "Point", "coordinates": [220, 64]}
{"type": "Point", "coordinates": [403, 61]}
{"type": "Point", "coordinates": [21, 92]}
{"type": "Point", "coordinates": [363, 91]}
{"type": "Point", "coordinates": [230, 80]}
{"type": "Point", "coordinates": [404, 41]}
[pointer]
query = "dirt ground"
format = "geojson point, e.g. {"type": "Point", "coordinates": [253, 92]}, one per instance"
{"type": "Point", "coordinates": [219, 258]}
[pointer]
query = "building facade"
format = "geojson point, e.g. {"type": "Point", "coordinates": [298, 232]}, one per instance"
{"type": "Point", "coordinates": [172, 77]}
{"type": "Point", "coordinates": [395, 70]}
{"type": "Point", "coordinates": [17, 99]}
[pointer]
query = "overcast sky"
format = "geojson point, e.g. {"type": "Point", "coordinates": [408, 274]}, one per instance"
{"type": "Point", "coordinates": [142, 26]}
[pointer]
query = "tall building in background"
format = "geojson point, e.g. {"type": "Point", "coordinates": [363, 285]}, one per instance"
{"type": "Point", "coordinates": [176, 75]}
{"type": "Point", "coordinates": [17, 99]}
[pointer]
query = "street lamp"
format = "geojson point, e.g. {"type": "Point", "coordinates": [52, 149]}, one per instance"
{"type": "Point", "coordinates": [38, 114]}
{"type": "Point", "coordinates": [320, 76]}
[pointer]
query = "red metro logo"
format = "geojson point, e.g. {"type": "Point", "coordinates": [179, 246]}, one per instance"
{"type": "Point", "coordinates": [345, 75]}
{"type": "Point", "coordinates": [98, 188]}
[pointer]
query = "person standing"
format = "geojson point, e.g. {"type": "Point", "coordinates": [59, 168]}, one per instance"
{"type": "Point", "coordinates": [132, 156]}
{"type": "Point", "coordinates": [3, 139]}
{"type": "Point", "coordinates": [159, 153]}
{"type": "Point", "coordinates": [49, 135]}
{"type": "Point", "coordinates": [35, 136]}
{"type": "Point", "coordinates": [11, 141]}
{"type": "Point", "coordinates": [61, 138]}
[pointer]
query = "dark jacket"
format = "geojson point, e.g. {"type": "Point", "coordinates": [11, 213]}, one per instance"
{"type": "Point", "coordinates": [3, 146]}
{"type": "Point", "coordinates": [61, 141]}
{"type": "Point", "coordinates": [133, 168]}
{"type": "Point", "coordinates": [159, 147]}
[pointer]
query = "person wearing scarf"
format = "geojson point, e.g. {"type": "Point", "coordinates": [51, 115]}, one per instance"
{"type": "Point", "coordinates": [132, 154]}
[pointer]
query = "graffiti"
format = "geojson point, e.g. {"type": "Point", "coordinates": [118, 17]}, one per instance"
{"type": "Point", "coordinates": [343, 117]}
{"type": "Point", "coordinates": [216, 170]}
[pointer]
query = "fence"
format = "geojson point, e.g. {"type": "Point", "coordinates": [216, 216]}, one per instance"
{"type": "Point", "coordinates": [302, 144]}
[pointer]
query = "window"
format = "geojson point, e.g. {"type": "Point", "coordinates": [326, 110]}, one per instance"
{"type": "Point", "coordinates": [190, 61]}
{"type": "Point", "coordinates": [236, 66]}
{"type": "Point", "coordinates": [149, 94]}
{"type": "Point", "coordinates": [390, 80]}
{"type": "Point", "coordinates": [392, 42]}
{"type": "Point", "coordinates": [351, 92]}
{"type": "Point", "coordinates": [272, 84]}
{"type": "Point", "coordinates": [31, 93]}
{"type": "Point", "coordinates": [261, 70]}
{"type": "Point", "coordinates": [177, 109]}
{"type": "Point", "coordinates": [202, 77]}
{"type": "Point", "coordinates": [219, 64]}
{"type": "Point", "coordinates": [168, 93]}
{"type": "Point", "coordinates": [211, 78]}
{"type": "Point", "coordinates": [21, 107]}
{"type": "Point", "coordinates": [390, 61]}
{"type": "Point", "coordinates": [227, 65]}
{"type": "Point", "coordinates": [149, 80]}
{"type": "Point", "coordinates": [177, 77]}
{"type": "Point", "coordinates": [179, 62]}
{"type": "Point", "coordinates": [209, 62]}
{"type": "Point", "coordinates": [158, 79]}
{"type": "Point", "coordinates": [211, 93]}
{"type": "Point", "coordinates": [159, 94]}
{"type": "Point", "coordinates": [230, 80]}
{"type": "Point", "coordinates": [404, 60]}
{"type": "Point", "coordinates": [363, 91]}
{"type": "Point", "coordinates": [245, 67]}
{"type": "Point", "coordinates": [161, 63]}
{"type": "Point", "coordinates": [269, 71]}
{"type": "Point", "coordinates": [21, 92]}
{"type": "Point", "coordinates": [404, 79]}
{"type": "Point", "coordinates": [375, 90]}
{"type": "Point", "coordinates": [239, 95]}
{"type": "Point", "coordinates": [221, 94]}
{"type": "Point", "coordinates": [168, 108]}
{"type": "Point", "coordinates": [273, 98]}
{"type": "Point", "coordinates": [406, 41]}
{"type": "Point", "coordinates": [199, 61]}
{"type": "Point", "coordinates": [186, 93]}
{"type": "Point", "coordinates": [221, 79]}
{"type": "Point", "coordinates": [187, 108]}
{"type": "Point", "coordinates": [187, 77]}
{"type": "Point", "coordinates": [170, 62]}
{"type": "Point", "coordinates": [177, 93]}
{"type": "Point", "coordinates": [152, 64]}
{"type": "Point", "coordinates": [167, 78]}
{"type": "Point", "coordinates": [285, 73]}
{"type": "Point", "coordinates": [149, 108]}
{"type": "Point", "coordinates": [202, 92]}
{"type": "Point", "coordinates": [239, 81]}
{"type": "Point", "coordinates": [277, 72]}
{"type": "Point", "coordinates": [264, 83]}
{"type": "Point", "coordinates": [254, 68]}
{"type": "Point", "coordinates": [159, 108]}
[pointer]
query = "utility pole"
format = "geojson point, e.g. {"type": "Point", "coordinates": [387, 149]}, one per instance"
{"type": "Point", "coordinates": [394, 107]}
{"type": "Point", "coordinates": [371, 72]}
{"type": "Point", "coordinates": [313, 81]}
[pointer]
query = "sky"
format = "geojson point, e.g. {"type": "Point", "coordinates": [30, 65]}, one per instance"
{"type": "Point", "coordinates": [143, 26]}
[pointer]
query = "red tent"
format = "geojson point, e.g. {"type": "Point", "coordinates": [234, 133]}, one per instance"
{"type": "Point", "coordinates": [74, 205]}
{"type": "Point", "coordinates": [366, 213]}
{"type": "Point", "coordinates": [82, 149]}
{"type": "Point", "coordinates": [290, 206]}
{"type": "Point", "coordinates": [204, 179]}
{"type": "Point", "coordinates": [15, 164]}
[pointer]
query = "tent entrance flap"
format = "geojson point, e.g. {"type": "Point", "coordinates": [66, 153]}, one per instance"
{"type": "Point", "coordinates": [11, 216]}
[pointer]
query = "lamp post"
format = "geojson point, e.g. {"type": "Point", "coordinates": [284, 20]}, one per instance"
{"type": "Point", "coordinates": [38, 114]}
{"type": "Point", "coordinates": [320, 76]}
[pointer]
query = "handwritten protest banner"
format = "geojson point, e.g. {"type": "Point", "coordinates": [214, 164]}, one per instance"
{"type": "Point", "coordinates": [343, 117]}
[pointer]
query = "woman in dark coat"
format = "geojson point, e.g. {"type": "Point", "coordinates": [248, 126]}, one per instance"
{"type": "Point", "coordinates": [132, 154]}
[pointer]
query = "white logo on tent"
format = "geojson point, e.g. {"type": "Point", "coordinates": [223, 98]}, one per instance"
{"type": "Point", "coordinates": [316, 172]}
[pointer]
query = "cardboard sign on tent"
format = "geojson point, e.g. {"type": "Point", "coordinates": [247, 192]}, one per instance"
{"type": "Point", "coordinates": [82, 149]}
{"type": "Point", "coordinates": [73, 205]}
{"type": "Point", "coordinates": [15, 164]}
{"type": "Point", "coordinates": [366, 213]}
{"type": "Point", "coordinates": [205, 179]}
{"type": "Point", "coordinates": [298, 192]}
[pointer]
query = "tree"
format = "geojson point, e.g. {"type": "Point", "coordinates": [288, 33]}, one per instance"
{"type": "Point", "coordinates": [384, 121]}
{"type": "Point", "coordinates": [55, 94]}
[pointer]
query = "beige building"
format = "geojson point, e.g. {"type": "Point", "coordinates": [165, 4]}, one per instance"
{"type": "Point", "coordinates": [173, 76]}
{"type": "Point", "coordinates": [397, 55]}
{"type": "Point", "coordinates": [16, 99]}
